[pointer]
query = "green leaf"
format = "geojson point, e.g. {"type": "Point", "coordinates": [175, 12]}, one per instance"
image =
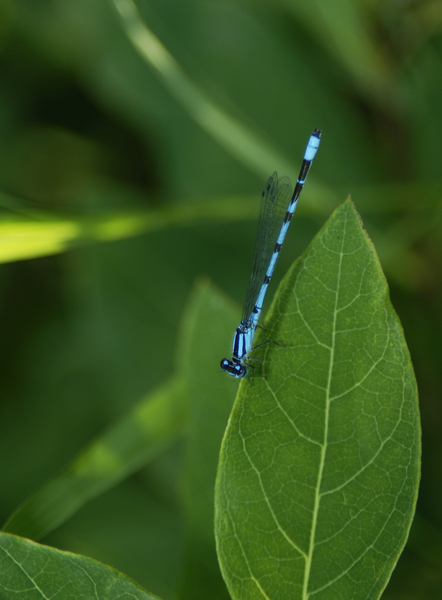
{"type": "Point", "coordinates": [244, 144]}
{"type": "Point", "coordinates": [33, 233]}
{"type": "Point", "coordinates": [207, 330]}
{"type": "Point", "coordinates": [151, 426]}
{"type": "Point", "coordinates": [28, 570]}
{"type": "Point", "coordinates": [351, 39]}
{"type": "Point", "coordinates": [41, 233]}
{"type": "Point", "coordinates": [319, 467]}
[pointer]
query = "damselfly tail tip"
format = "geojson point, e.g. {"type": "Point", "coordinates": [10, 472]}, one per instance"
{"type": "Point", "coordinates": [317, 133]}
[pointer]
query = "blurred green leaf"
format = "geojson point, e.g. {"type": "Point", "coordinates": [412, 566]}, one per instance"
{"type": "Point", "coordinates": [351, 39]}
{"type": "Point", "coordinates": [28, 570]}
{"type": "Point", "coordinates": [30, 239]}
{"type": "Point", "coordinates": [151, 426]}
{"type": "Point", "coordinates": [147, 430]}
{"type": "Point", "coordinates": [42, 234]}
{"type": "Point", "coordinates": [207, 334]}
{"type": "Point", "coordinates": [247, 146]}
{"type": "Point", "coordinates": [319, 467]}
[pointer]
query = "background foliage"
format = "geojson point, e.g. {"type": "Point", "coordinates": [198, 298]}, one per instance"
{"type": "Point", "coordinates": [89, 129]}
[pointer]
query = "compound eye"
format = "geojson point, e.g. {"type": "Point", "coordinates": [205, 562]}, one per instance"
{"type": "Point", "coordinates": [241, 370]}
{"type": "Point", "coordinates": [233, 368]}
{"type": "Point", "coordinates": [226, 364]}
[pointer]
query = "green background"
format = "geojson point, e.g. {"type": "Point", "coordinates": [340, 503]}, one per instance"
{"type": "Point", "coordinates": [87, 127]}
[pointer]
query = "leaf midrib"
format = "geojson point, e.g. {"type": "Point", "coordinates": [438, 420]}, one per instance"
{"type": "Point", "coordinates": [308, 563]}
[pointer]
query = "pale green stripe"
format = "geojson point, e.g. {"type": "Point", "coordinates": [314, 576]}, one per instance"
{"type": "Point", "coordinates": [249, 148]}
{"type": "Point", "coordinates": [152, 425]}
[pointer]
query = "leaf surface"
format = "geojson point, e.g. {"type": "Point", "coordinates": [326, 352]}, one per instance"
{"type": "Point", "coordinates": [319, 467]}
{"type": "Point", "coordinates": [30, 571]}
